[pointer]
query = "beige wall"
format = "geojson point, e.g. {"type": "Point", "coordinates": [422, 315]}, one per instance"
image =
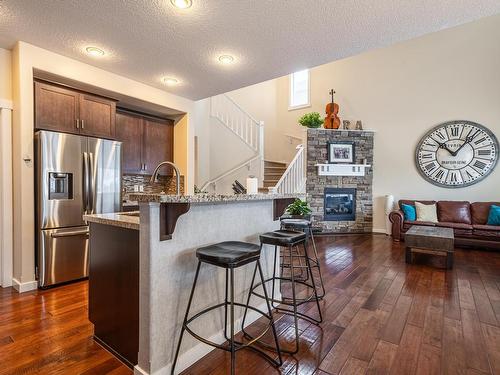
{"type": "Point", "coordinates": [5, 168]}
{"type": "Point", "coordinates": [27, 57]}
{"type": "Point", "coordinates": [404, 90]}
{"type": "Point", "coordinates": [5, 74]}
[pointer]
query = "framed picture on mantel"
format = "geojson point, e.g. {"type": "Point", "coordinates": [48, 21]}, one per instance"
{"type": "Point", "coordinates": [341, 152]}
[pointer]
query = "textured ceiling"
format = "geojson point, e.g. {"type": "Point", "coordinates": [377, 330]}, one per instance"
{"type": "Point", "coordinates": [149, 39]}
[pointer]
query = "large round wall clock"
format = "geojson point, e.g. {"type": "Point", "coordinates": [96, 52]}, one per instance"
{"type": "Point", "coordinates": [457, 154]}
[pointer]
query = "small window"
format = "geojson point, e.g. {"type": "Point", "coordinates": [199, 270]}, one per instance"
{"type": "Point", "coordinates": [299, 89]}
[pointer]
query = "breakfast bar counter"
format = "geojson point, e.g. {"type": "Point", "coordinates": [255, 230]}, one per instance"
{"type": "Point", "coordinates": [171, 229]}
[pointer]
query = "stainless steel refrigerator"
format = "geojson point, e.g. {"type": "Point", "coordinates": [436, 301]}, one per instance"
{"type": "Point", "coordinates": [75, 175]}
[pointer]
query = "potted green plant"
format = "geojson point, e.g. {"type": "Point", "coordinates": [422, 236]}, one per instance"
{"type": "Point", "coordinates": [311, 120]}
{"type": "Point", "coordinates": [299, 209]}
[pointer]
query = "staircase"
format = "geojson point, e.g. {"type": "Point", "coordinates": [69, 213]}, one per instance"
{"type": "Point", "coordinates": [249, 132]}
{"type": "Point", "coordinates": [293, 179]}
{"type": "Point", "coordinates": [273, 171]}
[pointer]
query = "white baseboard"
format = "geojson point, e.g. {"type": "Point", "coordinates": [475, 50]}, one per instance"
{"type": "Point", "coordinates": [24, 287]}
{"type": "Point", "coordinates": [378, 230]}
{"type": "Point", "coordinates": [139, 371]}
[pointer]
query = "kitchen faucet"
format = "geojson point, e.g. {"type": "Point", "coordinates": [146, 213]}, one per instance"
{"type": "Point", "coordinates": [154, 177]}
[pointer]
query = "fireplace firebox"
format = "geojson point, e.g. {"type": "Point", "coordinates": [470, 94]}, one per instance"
{"type": "Point", "coordinates": [340, 204]}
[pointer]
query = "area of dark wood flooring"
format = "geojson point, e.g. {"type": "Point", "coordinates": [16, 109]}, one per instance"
{"type": "Point", "coordinates": [381, 316]}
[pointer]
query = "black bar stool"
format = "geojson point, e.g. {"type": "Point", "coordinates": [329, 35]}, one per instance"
{"type": "Point", "coordinates": [305, 226]}
{"type": "Point", "coordinates": [287, 239]}
{"type": "Point", "coordinates": [230, 255]}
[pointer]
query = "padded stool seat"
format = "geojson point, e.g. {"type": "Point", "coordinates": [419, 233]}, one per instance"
{"type": "Point", "coordinates": [229, 254]}
{"type": "Point", "coordinates": [297, 223]}
{"type": "Point", "coordinates": [282, 237]}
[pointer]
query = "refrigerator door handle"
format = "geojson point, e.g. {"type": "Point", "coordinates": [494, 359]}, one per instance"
{"type": "Point", "coordinates": [85, 183]}
{"type": "Point", "coordinates": [91, 183]}
{"type": "Point", "coordinates": [70, 234]}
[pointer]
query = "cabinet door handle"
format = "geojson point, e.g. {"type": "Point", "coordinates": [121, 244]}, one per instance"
{"type": "Point", "coordinates": [77, 126]}
{"type": "Point", "coordinates": [83, 125]}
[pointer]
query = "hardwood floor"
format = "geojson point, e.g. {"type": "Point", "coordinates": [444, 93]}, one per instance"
{"type": "Point", "coordinates": [381, 316]}
{"type": "Point", "coordinates": [47, 332]}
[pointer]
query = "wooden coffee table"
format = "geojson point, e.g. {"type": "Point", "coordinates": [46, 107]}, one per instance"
{"type": "Point", "coordinates": [430, 240]}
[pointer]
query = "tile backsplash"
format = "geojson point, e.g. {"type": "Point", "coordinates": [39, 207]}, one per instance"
{"type": "Point", "coordinates": [165, 183]}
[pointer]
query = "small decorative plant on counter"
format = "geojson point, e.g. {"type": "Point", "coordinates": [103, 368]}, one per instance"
{"type": "Point", "coordinates": [311, 120]}
{"type": "Point", "coordinates": [298, 209]}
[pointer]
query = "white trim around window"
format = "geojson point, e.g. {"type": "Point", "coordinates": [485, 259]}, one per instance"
{"type": "Point", "coordinates": [299, 95]}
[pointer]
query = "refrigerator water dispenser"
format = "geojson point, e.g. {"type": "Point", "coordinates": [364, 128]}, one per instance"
{"type": "Point", "coordinates": [60, 185]}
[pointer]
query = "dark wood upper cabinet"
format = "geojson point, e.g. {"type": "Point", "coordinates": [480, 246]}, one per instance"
{"type": "Point", "coordinates": [70, 111]}
{"type": "Point", "coordinates": [146, 142]}
{"type": "Point", "coordinates": [56, 108]}
{"type": "Point", "coordinates": [97, 116]}
{"type": "Point", "coordinates": [129, 129]}
{"type": "Point", "coordinates": [158, 143]}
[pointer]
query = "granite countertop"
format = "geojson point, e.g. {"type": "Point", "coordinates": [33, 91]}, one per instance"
{"type": "Point", "coordinates": [128, 220]}
{"type": "Point", "coordinates": [208, 198]}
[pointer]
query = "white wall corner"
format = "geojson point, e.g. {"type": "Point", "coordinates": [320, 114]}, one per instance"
{"type": "Point", "coordinates": [24, 287]}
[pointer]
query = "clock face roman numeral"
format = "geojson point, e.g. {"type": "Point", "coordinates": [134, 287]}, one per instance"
{"type": "Point", "coordinates": [459, 153]}
{"type": "Point", "coordinates": [480, 140]}
{"type": "Point", "coordinates": [454, 131]}
{"type": "Point", "coordinates": [430, 167]}
{"type": "Point", "coordinates": [484, 152]}
{"type": "Point", "coordinates": [439, 175]}
{"type": "Point", "coordinates": [479, 164]}
{"type": "Point", "coordinates": [440, 136]}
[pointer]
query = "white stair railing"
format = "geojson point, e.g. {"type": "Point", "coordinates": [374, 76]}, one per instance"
{"type": "Point", "coordinates": [294, 179]}
{"type": "Point", "coordinates": [227, 111]}
{"type": "Point", "coordinates": [249, 130]}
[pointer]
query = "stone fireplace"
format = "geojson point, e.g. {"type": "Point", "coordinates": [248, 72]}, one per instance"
{"type": "Point", "coordinates": [340, 204]}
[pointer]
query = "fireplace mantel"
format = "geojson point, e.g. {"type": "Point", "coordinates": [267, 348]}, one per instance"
{"type": "Point", "coordinates": [342, 169]}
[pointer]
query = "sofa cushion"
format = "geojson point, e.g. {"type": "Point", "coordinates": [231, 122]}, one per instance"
{"type": "Point", "coordinates": [426, 212]}
{"type": "Point", "coordinates": [487, 231]}
{"type": "Point", "coordinates": [480, 211]}
{"type": "Point", "coordinates": [490, 228]}
{"type": "Point", "coordinates": [459, 229]}
{"type": "Point", "coordinates": [448, 224]}
{"type": "Point", "coordinates": [454, 212]}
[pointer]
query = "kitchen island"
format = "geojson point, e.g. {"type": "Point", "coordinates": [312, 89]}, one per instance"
{"type": "Point", "coordinates": [171, 228]}
{"type": "Point", "coordinates": [114, 282]}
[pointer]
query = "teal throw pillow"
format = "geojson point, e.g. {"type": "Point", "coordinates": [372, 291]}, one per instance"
{"type": "Point", "coordinates": [494, 215]}
{"type": "Point", "coordinates": [409, 212]}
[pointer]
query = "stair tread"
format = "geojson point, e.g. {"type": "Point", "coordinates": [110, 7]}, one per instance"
{"type": "Point", "coordinates": [269, 163]}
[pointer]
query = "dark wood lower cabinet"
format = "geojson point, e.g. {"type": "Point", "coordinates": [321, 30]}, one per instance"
{"type": "Point", "coordinates": [114, 289]}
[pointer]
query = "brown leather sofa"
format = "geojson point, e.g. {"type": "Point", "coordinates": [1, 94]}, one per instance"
{"type": "Point", "coordinates": [468, 221]}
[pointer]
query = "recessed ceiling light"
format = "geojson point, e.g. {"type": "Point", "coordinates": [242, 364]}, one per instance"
{"type": "Point", "coordinates": [182, 4]}
{"type": "Point", "coordinates": [94, 51]}
{"type": "Point", "coordinates": [169, 81]}
{"type": "Point", "coordinates": [226, 59]}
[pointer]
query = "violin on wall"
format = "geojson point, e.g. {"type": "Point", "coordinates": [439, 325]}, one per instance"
{"type": "Point", "coordinates": [332, 120]}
